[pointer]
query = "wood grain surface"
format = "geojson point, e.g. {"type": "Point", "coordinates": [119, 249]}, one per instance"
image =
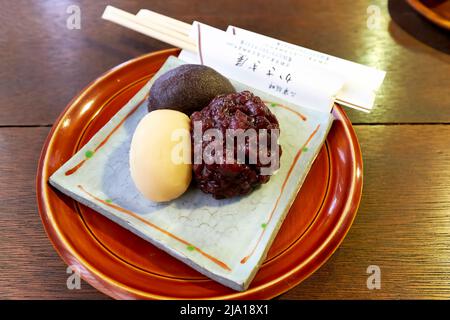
{"type": "Point", "coordinates": [403, 224]}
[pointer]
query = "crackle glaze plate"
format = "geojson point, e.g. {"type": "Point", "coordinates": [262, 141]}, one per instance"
{"type": "Point", "coordinates": [117, 245]}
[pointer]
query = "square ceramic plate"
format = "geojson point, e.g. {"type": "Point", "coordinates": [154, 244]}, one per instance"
{"type": "Point", "coordinates": [224, 239]}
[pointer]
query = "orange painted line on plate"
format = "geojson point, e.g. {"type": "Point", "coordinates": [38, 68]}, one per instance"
{"type": "Point", "coordinates": [297, 156]}
{"type": "Point", "coordinates": [74, 169]}
{"type": "Point", "coordinates": [136, 216]}
{"type": "Point", "coordinates": [303, 117]}
{"type": "Point", "coordinates": [103, 142]}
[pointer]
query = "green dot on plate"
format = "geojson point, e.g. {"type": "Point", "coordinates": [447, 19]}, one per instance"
{"type": "Point", "coordinates": [108, 200]}
{"type": "Point", "coordinates": [273, 104]}
{"type": "Point", "coordinates": [89, 153]}
{"type": "Point", "coordinates": [190, 248]}
{"type": "Point", "coordinates": [263, 225]}
{"type": "Point", "coordinates": [305, 149]}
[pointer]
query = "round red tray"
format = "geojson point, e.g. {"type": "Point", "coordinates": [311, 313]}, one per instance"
{"type": "Point", "coordinates": [122, 265]}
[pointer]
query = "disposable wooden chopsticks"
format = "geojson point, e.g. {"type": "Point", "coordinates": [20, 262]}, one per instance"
{"type": "Point", "coordinates": [153, 25]}
{"type": "Point", "coordinates": [149, 16]}
{"type": "Point", "coordinates": [168, 30]}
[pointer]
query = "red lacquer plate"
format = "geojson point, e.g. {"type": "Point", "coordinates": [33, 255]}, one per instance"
{"type": "Point", "coordinates": [436, 11]}
{"type": "Point", "coordinates": [123, 266]}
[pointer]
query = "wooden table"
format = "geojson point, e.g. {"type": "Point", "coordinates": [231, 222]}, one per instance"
{"type": "Point", "coordinates": [403, 224]}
